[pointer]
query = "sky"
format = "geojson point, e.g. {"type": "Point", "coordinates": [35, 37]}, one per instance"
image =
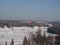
{"type": "Point", "coordinates": [44, 10]}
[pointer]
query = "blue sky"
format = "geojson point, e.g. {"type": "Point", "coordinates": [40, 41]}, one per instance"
{"type": "Point", "coordinates": [44, 10]}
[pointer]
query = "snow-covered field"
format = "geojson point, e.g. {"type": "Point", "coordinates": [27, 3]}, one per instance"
{"type": "Point", "coordinates": [16, 34]}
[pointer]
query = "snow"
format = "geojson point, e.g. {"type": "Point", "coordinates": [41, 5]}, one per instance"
{"type": "Point", "coordinates": [43, 30]}
{"type": "Point", "coordinates": [50, 25]}
{"type": "Point", "coordinates": [18, 34]}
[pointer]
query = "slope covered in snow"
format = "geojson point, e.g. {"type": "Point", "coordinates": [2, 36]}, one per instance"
{"type": "Point", "coordinates": [17, 35]}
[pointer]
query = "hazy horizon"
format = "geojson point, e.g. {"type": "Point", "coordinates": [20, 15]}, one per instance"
{"type": "Point", "coordinates": [46, 10]}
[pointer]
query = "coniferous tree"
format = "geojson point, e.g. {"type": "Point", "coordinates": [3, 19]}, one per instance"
{"type": "Point", "coordinates": [38, 38]}
{"type": "Point", "coordinates": [25, 41]}
{"type": "Point", "coordinates": [5, 43]}
{"type": "Point", "coordinates": [12, 42]}
{"type": "Point", "coordinates": [44, 37]}
{"type": "Point", "coordinates": [28, 43]}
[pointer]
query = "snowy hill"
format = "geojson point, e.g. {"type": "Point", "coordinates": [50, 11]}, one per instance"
{"type": "Point", "coordinates": [18, 34]}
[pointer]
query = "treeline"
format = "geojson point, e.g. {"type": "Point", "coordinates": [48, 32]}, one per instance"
{"type": "Point", "coordinates": [19, 24]}
{"type": "Point", "coordinates": [37, 39]}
